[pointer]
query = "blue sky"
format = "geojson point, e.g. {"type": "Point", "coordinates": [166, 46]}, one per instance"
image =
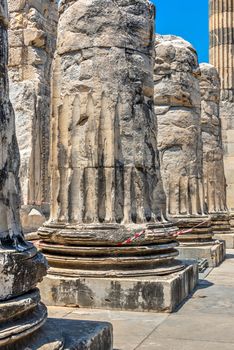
{"type": "Point", "coordinates": [185, 18]}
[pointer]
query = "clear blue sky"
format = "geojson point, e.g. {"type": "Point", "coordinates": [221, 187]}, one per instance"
{"type": "Point", "coordinates": [185, 18]}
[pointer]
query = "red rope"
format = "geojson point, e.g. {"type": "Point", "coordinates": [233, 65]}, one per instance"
{"type": "Point", "coordinates": [176, 234]}
{"type": "Point", "coordinates": [131, 239]}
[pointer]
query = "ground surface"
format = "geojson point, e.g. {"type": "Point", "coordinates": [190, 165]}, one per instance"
{"type": "Point", "coordinates": [206, 321]}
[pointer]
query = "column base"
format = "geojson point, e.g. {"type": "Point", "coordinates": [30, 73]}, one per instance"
{"type": "Point", "coordinates": [20, 317]}
{"type": "Point", "coordinates": [61, 334]}
{"type": "Point", "coordinates": [213, 253]}
{"type": "Point", "coordinates": [145, 293]}
{"type": "Point", "coordinates": [228, 238]}
{"type": "Point", "coordinates": [221, 225]}
{"type": "Point", "coordinates": [197, 229]}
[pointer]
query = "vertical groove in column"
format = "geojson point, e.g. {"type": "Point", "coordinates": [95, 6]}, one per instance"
{"type": "Point", "coordinates": [221, 43]}
{"type": "Point", "coordinates": [221, 56]}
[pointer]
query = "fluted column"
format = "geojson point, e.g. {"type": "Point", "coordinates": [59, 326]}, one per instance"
{"type": "Point", "coordinates": [222, 57]}
{"type": "Point", "coordinates": [213, 168]}
{"type": "Point", "coordinates": [106, 182]}
{"type": "Point", "coordinates": [213, 165]}
{"type": "Point", "coordinates": [32, 41]}
{"type": "Point", "coordinates": [177, 103]}
{"type": "Point", "coordinates": [222, 45]}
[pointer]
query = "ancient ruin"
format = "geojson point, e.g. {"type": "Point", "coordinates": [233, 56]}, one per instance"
{"type": "Point", "coordinates": [213, 167]}
{"type": "Point", "coordinates": [222, 57]}
{"type": "Point", "coordinates": [213, 170]}
{"type": "Point", "coordinates": [22, 315]}
{"type": "Point", "coordinates": [106, 181]}
{"type": "Point", "coordinates": [116, 151]}
{"type": "Point", "coordinates": [32, 40]}
{"type": "Point", "coordinates": [177, 101]}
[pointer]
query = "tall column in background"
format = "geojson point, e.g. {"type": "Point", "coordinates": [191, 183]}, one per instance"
{"type": "Point", "coordinates": [32, 39]}
{"type": "Point", "coordinates": [106, 183]}
{"type": "Point", "coordinates": [222, 57]}
{"type": "Point", "coordinates": [213, 165]}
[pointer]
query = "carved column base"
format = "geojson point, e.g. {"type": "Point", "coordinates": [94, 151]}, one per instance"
{"type": "Point", "coordinates": [143, 293]}
{"type": "Point", "coordinates": [21, 312]}
{"type": "Point", "coordinates": [231, 219]}
{"type": "Point", "coordinates": [213, 253]}
{"type": "Point", "coordinates": [90, 266]}
{"type": "Point", "coordinates": [101, 250]}
{"type": "Point", "coordinates": [199, 243]}
{"type": "Point", "coordinates": [223, 228]}
{"type": "Point", "coordinates": [201, 233]}
{"type": "Point", "coordinates": [61, 334]}
{"type": "Point", "coordinates": [220, 222]}
{"type": "Point", "coordinates": [20, 317]}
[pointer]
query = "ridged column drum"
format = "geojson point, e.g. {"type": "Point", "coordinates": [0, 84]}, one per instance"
{"type": "Point", "coordinates": [106, 183]}
{"type": "Point", "coordinates": [222, 44]}
{"type": "Point", "coordinates": [177, 101]}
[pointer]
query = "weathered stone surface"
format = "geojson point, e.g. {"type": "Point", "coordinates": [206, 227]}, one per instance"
{"type": "Point", "coordinates": [22, 326]}
{"type": "Point", "coordinates": [177, 102]}
{"type": "Point", "coordinates": [145, 293]}
{"type": "Point", "coordinates": [20, 271]}
{"type": "Point", "coordinates": [32, 39]}
{"type": "Point", "coordinates": [12, 308]}
{"type": "Point", "coordinates": [228, 239]}
{"type": "Point", "coordinates": [213, 168]}
{"type": "Point", "coordinates": [105, 174]}
{"type": "Point", "coordinates": [108, 109]}
{"type": "Point", "coordinates": [214, 253]}
{"type": "Point", "coordinates": [177, 107]}
{"type": "Point", "coordinates": [177, 99]}
{"type": "Point", "coordinates": [21, 267]}
{"type": "Point", "coordinates": [213, 165]}
{"type": "Point", "coordinates": [60, 334]}
{"type": "Point", "coordinates": [106, 180]}
{"type": "Point", "coordinates": [10, 228]}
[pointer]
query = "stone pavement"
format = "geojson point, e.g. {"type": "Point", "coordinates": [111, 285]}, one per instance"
{"type": "Point", "coordinates": [206, 321]}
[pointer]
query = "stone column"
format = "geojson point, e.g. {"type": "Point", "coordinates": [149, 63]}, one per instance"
{"type": "Point", "coordinates": [32, 39]}
{"type": "Point", "coordinates": [21, 267]}
{"type": "Point", "coordinates": [106, 182]}
{"type": "Point", "coordinates": [22, 315]}
{"type": "Point", "coordinates": [222, 57]}
{"type": "Point", "coordinates": [213, 166]}
{"type": "Point", "coordinates": [177, 102]}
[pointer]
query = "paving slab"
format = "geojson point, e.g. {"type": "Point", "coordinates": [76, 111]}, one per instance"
{"type": "Point", "coordinates": [211, 301]}
{"type": "Point", "coordinates": [201, 326]}
{"type": "Point", "coordinates": [130, 328]}
{"type": "Point", "coordinates": [181, 344]}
